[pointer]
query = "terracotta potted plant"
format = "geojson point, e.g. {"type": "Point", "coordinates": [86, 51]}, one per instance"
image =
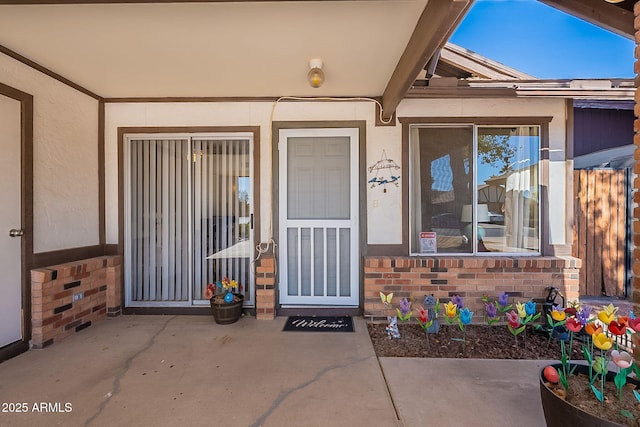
{"type": "Point", "coordinates": [226, 302]}
{"type": "Point", "coordinates": [603, 391]}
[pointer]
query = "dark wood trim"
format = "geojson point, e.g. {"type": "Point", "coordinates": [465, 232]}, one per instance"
{"type": "Point", "coordinates": [26, 212]}
{"type": "Point", "coordinates": [122, 131]}
{"type": "Point", "coordinates": [111, 249]}
{"type": "Point", "coordinates": [63, 256]}
{"type": "Point", "coordinates": [433, 27]}
{"type": "Point", "coordinates": [361, 125]}
{"type": "Point", "coordinates": [12, 350]}
{"type": "Point", "coordinates": [47, 71]}
{"type": "Point", "coordinates": [478, 120]}
{"type": "Point", "coordinates": [101, 175]}
{"type": "Point", "coordinates": [148, 100]}
{"type": "Point", "coordinates": [460, 92]}
{"type": "Point", "coordinates": [389, 250]}
{"type": "Point", "coordinates": [600, 13]}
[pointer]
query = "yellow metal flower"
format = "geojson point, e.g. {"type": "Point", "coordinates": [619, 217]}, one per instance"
{"type": "Point", "coordinates": [521, 310]}
{"type": "Point", "coordinates": [609, 309]}
{"type": "Point", "coordinates": [605, 318]}
{"type": "Point", "coordinates": [601, 341]}
{"type": "Point", "coordinates": [450, 309]}
{"type": "Point", "coordinates": [558, 315]}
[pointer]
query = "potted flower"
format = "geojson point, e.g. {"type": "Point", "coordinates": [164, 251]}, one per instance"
{"type": "Point", "coordinates": [592, 394]}
{"type": "Point", "coordinates": [226, 302]}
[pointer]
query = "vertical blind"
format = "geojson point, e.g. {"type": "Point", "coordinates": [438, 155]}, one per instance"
{"type": "Point", "coordinates": [159, 220]}
{"type": "Point", "coordinates": [221, 211]}
{"type": "Point", "coordinates": [188, 190]}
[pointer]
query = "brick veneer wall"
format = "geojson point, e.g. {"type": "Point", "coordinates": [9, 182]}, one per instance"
{"type": "Point", "coordinates": [54, 313]}
{"type": "Point", "coordinates": [266, 287]}
{"type": "Point", "coordinates": [470, 277]}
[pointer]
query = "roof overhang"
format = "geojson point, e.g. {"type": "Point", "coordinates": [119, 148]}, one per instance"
{"type": "Point", "coordinates": [617, 17]}
{"type": "Point", "coordinates": [127, 49]}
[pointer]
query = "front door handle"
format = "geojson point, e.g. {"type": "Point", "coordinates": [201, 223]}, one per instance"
{"type": "Point", "coordinates": [16, 233]}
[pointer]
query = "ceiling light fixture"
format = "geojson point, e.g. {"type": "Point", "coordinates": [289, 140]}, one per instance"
{"type": "Point", "coordinates": [614, 1]}
{"type": "Point", "coordinates": [316, 75]}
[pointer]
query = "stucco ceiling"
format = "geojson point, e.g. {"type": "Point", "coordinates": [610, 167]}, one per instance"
{"type": "Point", "coordinates": [215, 49]}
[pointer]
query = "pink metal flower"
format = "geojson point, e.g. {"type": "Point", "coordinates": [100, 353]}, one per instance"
{"type": "Point", "coordinates": [621, 358]}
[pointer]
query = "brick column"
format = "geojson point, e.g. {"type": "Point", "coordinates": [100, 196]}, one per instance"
{"type": "Point", "coordinates": [114, 288]}
{"type": "Point", "coordinates": [636, 168]}
{"type": "Point", "coordinates": [266, 287]}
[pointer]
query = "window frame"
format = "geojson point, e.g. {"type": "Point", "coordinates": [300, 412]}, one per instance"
{"type": "Point", "coordinates": [543, 122]}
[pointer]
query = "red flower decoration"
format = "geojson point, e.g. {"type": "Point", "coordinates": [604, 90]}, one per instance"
{"type": "Point", "coordinates": [573, 325]}
{"type": "Point", "coordinates": [570, 311]}
{"type": "Point", "coordinates": [423, 315]}
{"type": "Point", "coordinates": [617, 328]}
{"type": "Point", "coordinates": [634, 324]}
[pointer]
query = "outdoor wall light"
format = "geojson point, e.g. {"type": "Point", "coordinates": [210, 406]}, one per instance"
{"type": "Point", "coordinates": [316, 75]}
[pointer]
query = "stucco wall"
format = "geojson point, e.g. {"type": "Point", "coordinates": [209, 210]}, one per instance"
{"type": "Point", "coordinates": [384, 215]}
{"type": "Point", "coordinates": [65, 140]}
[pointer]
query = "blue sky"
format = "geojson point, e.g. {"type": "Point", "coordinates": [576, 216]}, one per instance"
{"type": "Point", "coordinates": [542, 41]}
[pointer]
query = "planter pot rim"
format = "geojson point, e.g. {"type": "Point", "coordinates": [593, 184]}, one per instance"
{"type": "Point", "coordinates": [547, 395]}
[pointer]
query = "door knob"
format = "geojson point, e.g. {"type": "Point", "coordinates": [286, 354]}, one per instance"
{"type": "Point", "coordinates": [16, 233]}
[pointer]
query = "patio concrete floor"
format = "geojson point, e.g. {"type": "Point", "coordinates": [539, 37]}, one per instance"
{"type": "Point", "coordinates": [189, 371]}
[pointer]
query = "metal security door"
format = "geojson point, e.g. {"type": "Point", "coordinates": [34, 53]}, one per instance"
{"type": "Point", "coordinates": [10, 212]}
{"type": "Point", "coordinates": [318, 217]}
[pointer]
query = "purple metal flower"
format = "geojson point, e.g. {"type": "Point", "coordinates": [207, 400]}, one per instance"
{"type": "Point", "coordinates": [503, 299]}
{"type": "Point", "coordinates": [583, 314]}
{"type": "Point", "coordinates": [491, 310]}
{"type": "Point", "coordinates": [457, 300]}
{"type": "Point", "coordinates": [405, 306]}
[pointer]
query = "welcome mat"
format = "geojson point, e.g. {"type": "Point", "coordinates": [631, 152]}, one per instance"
{"type": "Point", "coordinates": [319, 324]}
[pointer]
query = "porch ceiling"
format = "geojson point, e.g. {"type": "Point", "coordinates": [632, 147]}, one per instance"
{"type": "Point", "coordinates": [228, 48]}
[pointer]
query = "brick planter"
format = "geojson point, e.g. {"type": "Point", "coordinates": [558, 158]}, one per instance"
{"type": "Point", "coordinates": [68, 298]}
{"type": "Point", "coordinates": [470, 277]}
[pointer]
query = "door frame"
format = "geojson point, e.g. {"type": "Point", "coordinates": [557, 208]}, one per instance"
{"type": "Point", "coordinates": [26, 193]}
{"type": "Point", "coordinates": [157, 132]}
{"type": "Point", "coordinates": [274, 227]}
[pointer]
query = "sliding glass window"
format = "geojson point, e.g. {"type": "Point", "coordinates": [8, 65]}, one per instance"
{"type": "Point", "coordinates": [474, 189]}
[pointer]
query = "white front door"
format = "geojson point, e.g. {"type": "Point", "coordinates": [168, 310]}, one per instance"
{"type": "Point", "coordinates": [10, 209]}
{"type": "Point", "coordinates": [318, 205]}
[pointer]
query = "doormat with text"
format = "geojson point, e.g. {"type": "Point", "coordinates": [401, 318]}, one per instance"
{"type": "Point", "coordinates": [319, 324]}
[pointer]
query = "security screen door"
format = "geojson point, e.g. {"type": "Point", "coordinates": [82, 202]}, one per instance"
{"type": "Point", "coordinates": [188, 217]}
{"type": "Point", "coordinates": [318, 209]}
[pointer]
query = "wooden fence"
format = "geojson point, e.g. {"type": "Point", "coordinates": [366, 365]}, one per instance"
{"type": "Point", "coordinates": [599, 231]}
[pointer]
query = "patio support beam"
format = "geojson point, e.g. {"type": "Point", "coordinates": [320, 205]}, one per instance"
{"type": "Point", "coordinates": [598, 12]}
{"type": "Point", "coordinates": [436, 23]}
